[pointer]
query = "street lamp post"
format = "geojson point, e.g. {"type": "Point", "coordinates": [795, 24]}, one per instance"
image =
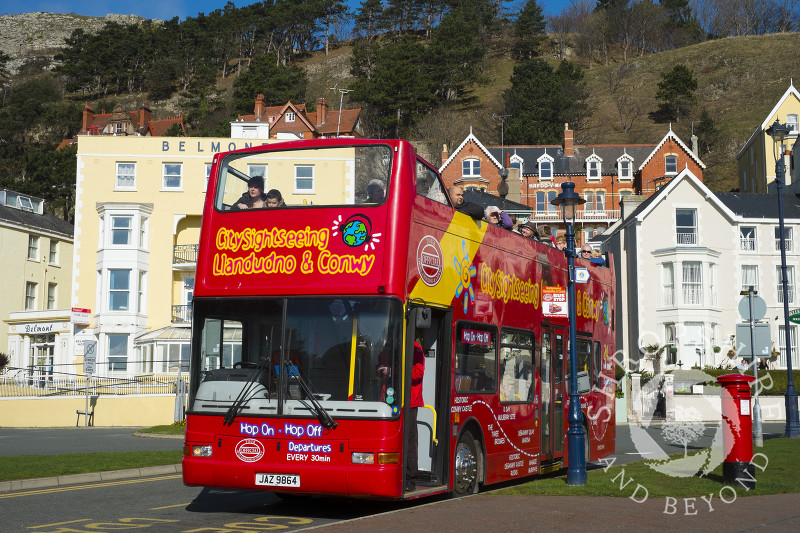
{"type": "Point", "coordinates": [778, 133]}
{"type": "Point", "coordinates": [568, 201]}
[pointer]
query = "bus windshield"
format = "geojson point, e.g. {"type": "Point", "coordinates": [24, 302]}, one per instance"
{"type": "Point", "coordinates": [269, 354]}
{"type": "Point", "coordinates": [330, 176]}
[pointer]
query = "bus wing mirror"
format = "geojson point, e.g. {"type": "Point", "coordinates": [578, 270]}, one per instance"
{"type": "Point", "coordinates": [423, 318]}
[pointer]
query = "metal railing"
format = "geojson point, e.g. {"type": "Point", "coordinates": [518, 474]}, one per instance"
{"type": "Point", "coordinates": [181, 314]}
{"type": "Point", "coordinates": [184, 254]}
{"type": "Point", "coordinates": [38, 382]}
{"type": "Point", "coordinates": [581, 215]}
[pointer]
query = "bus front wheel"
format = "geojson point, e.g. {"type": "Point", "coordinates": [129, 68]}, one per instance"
{"type": "Point", "coordinates": [465, 478]}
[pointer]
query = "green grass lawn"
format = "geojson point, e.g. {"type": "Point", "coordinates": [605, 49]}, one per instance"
{"type": "Point", "coordinates": [781, 458]}
{"type": "Point", "coordinates": [13, 467]}
{"type": "Point", "coordinates": [172, 429]}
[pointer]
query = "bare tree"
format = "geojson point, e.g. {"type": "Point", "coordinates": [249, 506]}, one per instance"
{"type": "Point", "coordinates": [683, 433]}
{"type": "Point", "coordinates": [619, 81]}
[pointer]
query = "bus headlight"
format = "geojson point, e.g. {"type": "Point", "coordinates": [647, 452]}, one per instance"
{"type": "Point", "coordinates": [363, 458]}
{"type": "Point", "coordinates": [201, 451]}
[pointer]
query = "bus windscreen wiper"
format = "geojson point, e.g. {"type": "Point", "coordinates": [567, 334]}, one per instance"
{"type": "Point", "coordinates": [322, 415]}
{"type": "Point", "coordinates": [246, 393]}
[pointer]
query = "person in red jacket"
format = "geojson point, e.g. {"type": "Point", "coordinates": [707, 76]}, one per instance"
{"type": "Point", "coordinates": [417, 372]}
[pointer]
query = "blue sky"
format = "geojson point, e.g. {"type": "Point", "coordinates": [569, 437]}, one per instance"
{"type": "Point", "coordinates": [166, 9]}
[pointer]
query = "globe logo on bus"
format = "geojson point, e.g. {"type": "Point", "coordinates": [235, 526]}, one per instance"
{"type": "Point", "coordinates": [356, 231]}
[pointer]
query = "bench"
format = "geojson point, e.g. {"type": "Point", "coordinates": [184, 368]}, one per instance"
{"type": "Point", "coordinates": [88, 414]}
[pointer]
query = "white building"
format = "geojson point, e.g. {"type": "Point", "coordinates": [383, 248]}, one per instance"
{"type": "Point", "coordinates": [683, 256]}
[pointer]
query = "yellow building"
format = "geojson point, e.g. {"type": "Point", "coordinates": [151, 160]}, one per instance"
{"type": "Point", "coordinates": [139, 202]}
{"type": "Point", "coordinates": [36, 264]}
{"type": "Point", "coordinates": [756, 160]}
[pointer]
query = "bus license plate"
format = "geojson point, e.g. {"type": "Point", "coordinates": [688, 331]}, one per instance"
{"type": "Point", "coordinates": [278, 480]}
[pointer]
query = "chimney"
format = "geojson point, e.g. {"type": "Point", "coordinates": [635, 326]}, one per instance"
{"type": "Point", "coordinates": [144, 115]}
{"type": "Point", "coordinates": [259, 109]}
{"type": "Point", "coordinates": [507, 162]}
{"type": "Point", "coordinates": [695, 149]}
{"type": "Point", "coordinates": [322, 111]}
{"type": "Point", "coordinates": [628, 204]}
{"type": "Point", "coordinates": [569, 141]}
{"type": "Point", "coordinates": [445, 155]}
{"type": "Point", "coordinates": [88, 116]}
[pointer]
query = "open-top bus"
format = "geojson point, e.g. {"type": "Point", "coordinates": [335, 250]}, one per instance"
{"type": "Point", "coordinates": [305, 319]}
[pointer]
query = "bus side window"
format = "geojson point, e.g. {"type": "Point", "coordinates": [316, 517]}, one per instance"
{"type": "Point", "coordinates": [476, 363]}
{"type": "Point", "coordinates": [597, 365]}
{"type": "Point", "coordinates": [429, 185]}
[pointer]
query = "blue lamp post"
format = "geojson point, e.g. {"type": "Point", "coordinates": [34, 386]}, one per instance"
{"type": "Point", "coordinates": [568, 201]}
{"type": "Point", "coordinates": [778, 133]}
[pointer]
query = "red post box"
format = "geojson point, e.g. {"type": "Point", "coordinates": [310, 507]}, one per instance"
{"type": "Point", "coordinates": [737, 426]}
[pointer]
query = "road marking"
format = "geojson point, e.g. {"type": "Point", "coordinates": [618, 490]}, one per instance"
{"type": "Point", "coordinates": [60, 523]}
{"type": "Point", "coordinates": [84, 487]}
{"type": "Point", "coordinates": [170, 506]}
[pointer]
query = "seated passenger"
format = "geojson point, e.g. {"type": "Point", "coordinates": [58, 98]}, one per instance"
{"type": "Point", "coordinates": [468, 208]}
{"type": "Point", "coordinates": [254, 197]}
{"type": "Point", "coordinates": [597, 258]}
{"type": "Point", "coordinates": [275, 198]}
{"type": "Point", "coordinates": [376, 191]}
{"type": "Point", "coordinates": [529, 230]}
{"type": "Point", "coordinates": [497, 217]}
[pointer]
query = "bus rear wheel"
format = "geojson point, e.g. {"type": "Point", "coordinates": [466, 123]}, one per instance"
{"type": "Point", "coordinates": [465, 466]}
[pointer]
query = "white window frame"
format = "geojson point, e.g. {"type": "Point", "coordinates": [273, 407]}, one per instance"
{"type": "Point", "coordinates": [668, 162]}
{"type": "Point", "coordinates": [600, 201]}
{"type": "Point", "coordinates": [126, 172]}
{"type": "Point", "coordinates": [692, 283]}
{"type": "Point", "coordinates": [686, 237]}
{"type": "Point", "coordinates": [749, 277]}
{"type": "Point", "coordinates": [668, 285]}
{"type": "Point", "coordinates": [747, 239]}
{"type": "Point", "coordinates": [141, 300]}
{"type": "Point", "coordinates": [594, 165]}
{"type": "Point", "coordinates": [208, 175]}
{"type": "Point", "coordinates": [121, 230]}
{"type": "Point", "coordinates": [144, 232]}
{"type": "Point", "coordinates": [119, 291]}
{"type": "Point", "coordinates": [298, 178]}
{"type": "Point", "coordinates": [588, 205]}
{"type": "Point", "coordinates": [782, 344]}
{"type": "Point", "coordinates": [289, 116]}
{"type": "Point", "coordinates": [31, 289]}
{"type": "Point", "coordinates": [52, 293]}
{"type": "Point", "coordinates": [543, 174]}
{"type": "Point", "coordinates": [541, 198]}
{"type": "Point", "coordinates": [517, 162]}
{"type": "Point", "coordinates": [166, 177]}
{"type": "Point", "coordinates": [53, 257]}
{"type": "Point", "coordinates": [792, 122]}
{"type": "Point", "coordinates": [471, 167]}
{"type": "Point", "coordinates": [115, 359]}
{"type": "Point", "coordinates": [33, 248]}
{"type": "Point", "coordinates": [788, 238]}
{"type": "Point", "coordinates": [789, 284]}
{"type": "Point", "coordinates": [712, 283]}
{"type": "Point", "coordinates": [622, 162]}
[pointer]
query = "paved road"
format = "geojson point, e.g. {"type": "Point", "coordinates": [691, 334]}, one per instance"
{"type": "Point", "coordinates": [52, 441]}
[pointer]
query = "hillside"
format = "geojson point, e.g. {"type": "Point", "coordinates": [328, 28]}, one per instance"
{"type": "Point", "coordinates": [739, 81]}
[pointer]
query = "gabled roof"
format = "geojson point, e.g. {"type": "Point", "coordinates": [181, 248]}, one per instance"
{"type": "Point", "coordinates": [158, 128]}
{"type": "Point", "coordinates": [671, 135]}
{"type": "Point", "coordinates": [484, 199]}
{"type": "Point", "coordinates": [481, 147]}
{"type": "Point", "coordinates": [791, 91]}
{"type": "Point", "coordinates": [349, 121]}
{"type": "Point", "coordinates": [346, 124]}
{"type": "Point", "coordinates": [753, 206]}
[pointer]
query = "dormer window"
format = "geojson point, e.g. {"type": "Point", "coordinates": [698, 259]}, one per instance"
{"type": "Point", "coordinates": [545, 167]}
{"type": "Point", "coordinates": [593, 168]}
{"type": "Point", "coordinates": [516, 162]}
{"type": "Point", "coordinates": [671, 164]}
{"type": "Point", "coordinates": [625, 168]}
{"type": "Point", "coordinates": [118, 127]}
{"type": "Point", "coordinates": [289, 117]}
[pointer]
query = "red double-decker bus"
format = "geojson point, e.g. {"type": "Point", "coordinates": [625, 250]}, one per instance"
{"type": "Point", "coordinates": [307, 318]}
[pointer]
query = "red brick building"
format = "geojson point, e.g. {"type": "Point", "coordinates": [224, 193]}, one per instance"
{"type": "Point", "coordinates": [291, 121]}
{"type": "Point", "coordinates": [602, 174]}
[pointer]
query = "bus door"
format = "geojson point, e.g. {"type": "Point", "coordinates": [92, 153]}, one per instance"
{"type": "Point", "coordinates": [431, 328]}
{"type": "Point", "coordinates": [551, 365]}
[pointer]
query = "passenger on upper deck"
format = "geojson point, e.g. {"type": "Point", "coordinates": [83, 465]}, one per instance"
{"type": "Point", "coordinates": [376, 191]}
{"type": "Point", "coordinates": [275, 198]}
{"type": "Point", "coordinates": [529, 230]}
{"type": "Point", "coordinates": [254, 197]}
{"type": "Point", "coordinates": [468, 208]}
{"type": "Point", "coordinates": [497, 217]}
